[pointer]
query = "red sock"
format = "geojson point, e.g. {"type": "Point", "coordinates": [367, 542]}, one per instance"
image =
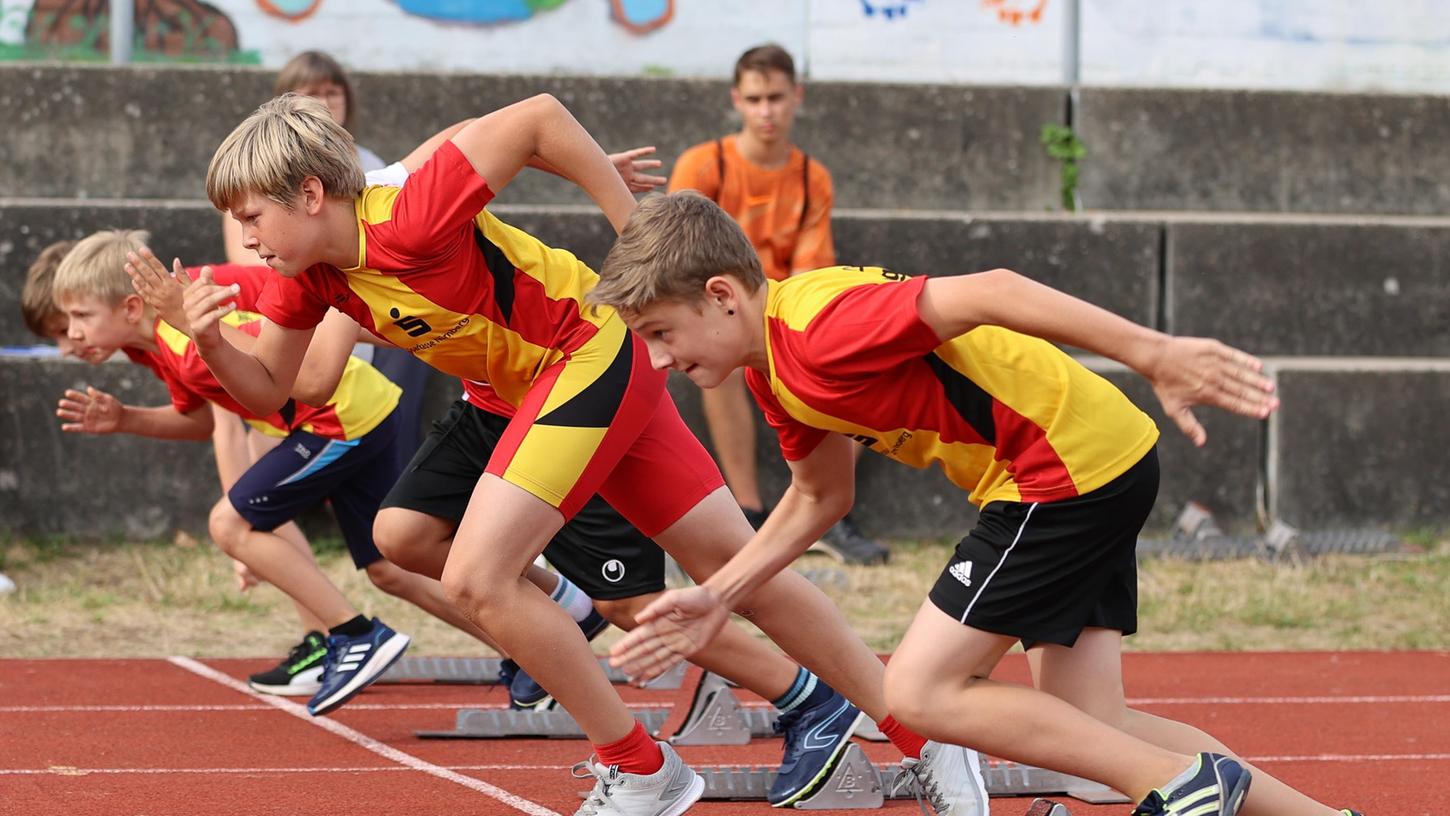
{"type": "Point", "coordinates": [908, 741]}
{"type": "Point", "coordinates": [637, 753]}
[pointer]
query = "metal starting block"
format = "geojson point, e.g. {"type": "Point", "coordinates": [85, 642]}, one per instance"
{"type": "Point", "coordinates": [555, 723]}
{"type": "Point", "coordinates": [717, 718]}
{"type": "Point", "coordinates": [856, 783]}
{"type": "Point", "coordinates": [484, 671]}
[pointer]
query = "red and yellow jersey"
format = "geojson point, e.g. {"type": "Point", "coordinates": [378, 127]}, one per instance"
{"type": "Point", "coordinates": [1007, 417]}
{"type": "Point", "coordinates": [363, 399]}
{"type": "Point", "coordinates": [785, 212]}
{"type": "Point", "coordinates": [444, 279]}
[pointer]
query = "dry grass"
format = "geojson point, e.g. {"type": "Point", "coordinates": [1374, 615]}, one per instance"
{"type": "Point", "coordinates": [127, 600]}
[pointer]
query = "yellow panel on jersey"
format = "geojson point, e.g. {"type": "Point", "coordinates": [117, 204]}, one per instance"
{"type": "Point", "coordinates": [1006, 416]}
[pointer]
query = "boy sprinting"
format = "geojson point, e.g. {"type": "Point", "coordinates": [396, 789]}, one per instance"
{"type": "Point", "coordinates": [427, 268]}
{"type": "Point", "coordinates": [957, 372]}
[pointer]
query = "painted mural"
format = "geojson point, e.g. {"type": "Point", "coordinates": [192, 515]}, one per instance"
{"type": "Point", "coordinates": [1272, 44]}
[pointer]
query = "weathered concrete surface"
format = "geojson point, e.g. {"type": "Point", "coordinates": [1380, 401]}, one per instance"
{"type": "Point", "coordinates": [58, 483]}
{"type": "Point", "coordinates": [143, 132]}
{"type": "Point", "coordinates": [1362, 443]}
{"type": "Point", "coordinates": [1312, 288]}
{"type": "Point", "coordinates": [1109, 263]}
{"type": "Point", "coordinates": [1264, 152]}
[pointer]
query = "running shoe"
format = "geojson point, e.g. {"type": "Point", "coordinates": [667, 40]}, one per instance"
{"type": "Point", "coordinates": [300, 672]}
{"type": "Point", "coordinates": [1215, 786]}
{"type": "Point", "coordinates": [948, 777]}
{"type": "Point", "coordinates": [845, 542]}
{"type": "Point", "coordinates": [353, 663]}
{"type": "Point", "coordinates": [815, 738]}
{"type": "Point", "coordinates": [670, 791]}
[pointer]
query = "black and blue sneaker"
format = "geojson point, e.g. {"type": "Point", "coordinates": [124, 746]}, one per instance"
{"type": "Point", "coordinates": [525, 694]}
{"type": "Point", "coordinates": [1214, 785]}
{"type": "Point", "coordinates": [353, 663]}
{"type": "Point", "coordinates": [815, 738]}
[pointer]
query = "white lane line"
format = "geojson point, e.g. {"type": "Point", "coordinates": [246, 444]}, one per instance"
{"type": "Point", "coordinates": [364, 741]}
{"type": "Point", "coordinates": [1332, 700]}
{"type": "Point", "coordinates": [1354, 758]}
{"type": "Point", "coordinates": [143, 709]}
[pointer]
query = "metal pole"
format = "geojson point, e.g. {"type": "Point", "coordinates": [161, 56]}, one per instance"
{"type": "Point", "coordinates": [123, 30]}
{"type": "Point", "coordinates": [1071, 40]}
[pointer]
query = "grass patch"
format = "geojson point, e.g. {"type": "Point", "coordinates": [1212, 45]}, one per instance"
{"type": "Point", "coordinates": [130, 599]}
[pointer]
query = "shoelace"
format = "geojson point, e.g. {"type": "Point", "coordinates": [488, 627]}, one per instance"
{"type": "Point", "coordinates": [300, 651]}
{"type": "Point", "coordinates": [598, 797]}
{"type": "Point", "coordinates": [919, 781]}
{"type": "Point", "coordinates": [787, 724]}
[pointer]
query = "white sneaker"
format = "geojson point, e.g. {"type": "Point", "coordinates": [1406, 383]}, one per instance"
{"type": "Point", "coordinates": [949, 777]}
{"type": "Point", "coordinates": [667, 792]}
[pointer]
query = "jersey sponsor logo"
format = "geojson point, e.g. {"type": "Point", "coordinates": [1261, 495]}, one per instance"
{"type": "Point", "coordinates": [868, 441]}
{"type": "Point", "coordinates": [894, 276]}
{"type": "Point", "coordinates": [613, 570]}
{"type": "Point", "coordinates": [900, 440]}
{"type": "Point", "coordinates": [424, 346]}
{"type": "Point", "coordinates": [415, 326]}
{"type": "Point", "coordinates": [962, 571]}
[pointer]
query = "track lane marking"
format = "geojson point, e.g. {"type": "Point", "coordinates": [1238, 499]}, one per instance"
{"type": "Point", "coordinates": [364, 741]}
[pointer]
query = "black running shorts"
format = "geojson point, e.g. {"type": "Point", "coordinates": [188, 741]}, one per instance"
{"type": "Point", "coordinates": [597, 549]}
{"type": "Point", "coordinates": [1047, 570]}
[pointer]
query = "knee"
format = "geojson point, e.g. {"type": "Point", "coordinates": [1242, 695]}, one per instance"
{"type": "Point", "coordinates": [906, 698]}
{"type": "Point", "coordinates": [388, 577]}
{"type": "Point", "coordinates": [471, 591]}
{"type": "Point", "coordinates": [227, 527]}
{"type": "Point", "coordinates": [622, 612]}
{"type": "Point", "coordinates": [389, 535]}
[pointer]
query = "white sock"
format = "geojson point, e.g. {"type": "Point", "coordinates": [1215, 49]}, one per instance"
{"type": "Point", "coordinates": [568, 595]}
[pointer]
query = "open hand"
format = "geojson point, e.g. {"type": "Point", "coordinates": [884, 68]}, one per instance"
{"type": "Point", "coordinates": [246, 579]}
{"type": "Point", "coordinates": [92, 411]}
{"type": "Point", "coordinates": [676, 625]}
{"type": "Point", "coordinates": [1200, 371]}
{"type": "Point", "coordinates": [163, 292]}
{"type": "Point", "coordinates": [207, 302]}
{"type": "Point", "coordinates": [631, 168]}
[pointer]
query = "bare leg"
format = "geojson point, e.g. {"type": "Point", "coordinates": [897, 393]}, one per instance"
{"type": "Point", "coordinates": [423, 592]}
{"type": "Point", "coordinates": [732, 430]}
{"type": "Point", "coordinates": [788, 608]}
{"type": "Point", "coordinates": [278, 562]}
{"type": "Point", "coordinates": [937, 685]}
{"type": "Point", "coordinates": [502, 532]}
{"type": "Point", "coordinates": [1089, 676]}
{"type": "Point", "coordinates": [733, 654]}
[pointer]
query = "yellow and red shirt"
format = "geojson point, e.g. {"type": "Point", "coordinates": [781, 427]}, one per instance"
{"type": "Point", "coordinates": [363, 399]}
{"type": "Point", "coordinates": [786, 212]}
{"type": "Point", "coordinates": [1006, 416]}
{"type": "Point", "coordinates": [444, 279]}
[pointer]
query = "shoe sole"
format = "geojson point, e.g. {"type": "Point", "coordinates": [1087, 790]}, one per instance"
{"type": "Point", "coordinates": [827, 549]}
{"type": "Point", "coordinates": [285, 691]}
{"type": "Point", "coordinates": [387, 655]}
{"type": "Point", "coordinates": [1235, 798]}
{"type": "Point", "coordinates": [696, 790]}
{"type": "Point", "coordinates": [826, 769]}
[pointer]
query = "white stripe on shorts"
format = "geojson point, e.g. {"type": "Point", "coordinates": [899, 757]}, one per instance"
{"type": "Point", "coordinates": [1000, 562]}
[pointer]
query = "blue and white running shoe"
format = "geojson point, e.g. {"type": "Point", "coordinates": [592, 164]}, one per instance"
{"type": "Point", "coordinates": [815, 738]}
{"type": "Point", "coordinates": [1215, 786]}
{"type": "Point", "coordinates": [353, 663]}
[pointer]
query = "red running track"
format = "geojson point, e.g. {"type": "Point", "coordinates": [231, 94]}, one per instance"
{"type": "Point", "coordinates": [156, 737]}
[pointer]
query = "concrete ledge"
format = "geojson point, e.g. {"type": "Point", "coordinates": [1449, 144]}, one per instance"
{"type": "Point", "coordinates": [1294, 288]}
{"type": "Point", "coordinates": [145, 132]}
{"type": "Point", "coordinates": [1361, 443]}
{"type": "Point", "coordinates": [1162, 149]}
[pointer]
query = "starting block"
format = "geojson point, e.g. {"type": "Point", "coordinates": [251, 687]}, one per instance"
{"type": "Point", "coordinates": [484, 671]}
{"type": "Point", "coordinates": [554, 723]}
{"type": "Point", "coordinates": [857, 784]}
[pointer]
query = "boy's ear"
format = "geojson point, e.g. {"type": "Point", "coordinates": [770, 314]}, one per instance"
{"type": "Point", "coordinates": [133, 307]}
{"type": "Point", "coordinates": [723, 288]}
{"type": "Point", "coordinates": [313, 195]}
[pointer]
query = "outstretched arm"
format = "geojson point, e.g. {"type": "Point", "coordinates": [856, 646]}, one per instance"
{"type": "Point", "coordinates": [1184, 371]}
{"type": "Point", "coordinates": [681, 622]}
{"type": "Point", "coordinates": [502, 143]}
{"type": "Point", "coordinates": [94, 411]}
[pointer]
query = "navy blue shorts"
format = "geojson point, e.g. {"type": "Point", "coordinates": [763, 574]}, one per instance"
{"type": "Point", "coordinates": [304, 469]}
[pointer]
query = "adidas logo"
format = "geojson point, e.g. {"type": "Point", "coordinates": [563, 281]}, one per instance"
{"type": "Point", "coordinates": [962, 571]}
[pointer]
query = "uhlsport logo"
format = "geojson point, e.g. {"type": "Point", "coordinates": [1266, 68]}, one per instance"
{"type": "Point", "coordinates": [413, 325]}
{"type": "Point", "coordinates": [962, 571]}
{"type": "Point", "coordinates": [613, 570]}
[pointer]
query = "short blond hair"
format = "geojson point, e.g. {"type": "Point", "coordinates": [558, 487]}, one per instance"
{"type": "Point", "coordinates": [96, 266]}
{"type": "Point", "coordinates": [37, 297]}
{"type": "Point", "coordinates": [282, 143]}
{"type": "Point", "coordinates": [671, 245]}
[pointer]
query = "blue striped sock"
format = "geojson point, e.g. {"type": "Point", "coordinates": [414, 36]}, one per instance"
{"type": "Point", "coordinates": [806, 692]}
{"type": "Point", "coordinates": [568, 595]}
